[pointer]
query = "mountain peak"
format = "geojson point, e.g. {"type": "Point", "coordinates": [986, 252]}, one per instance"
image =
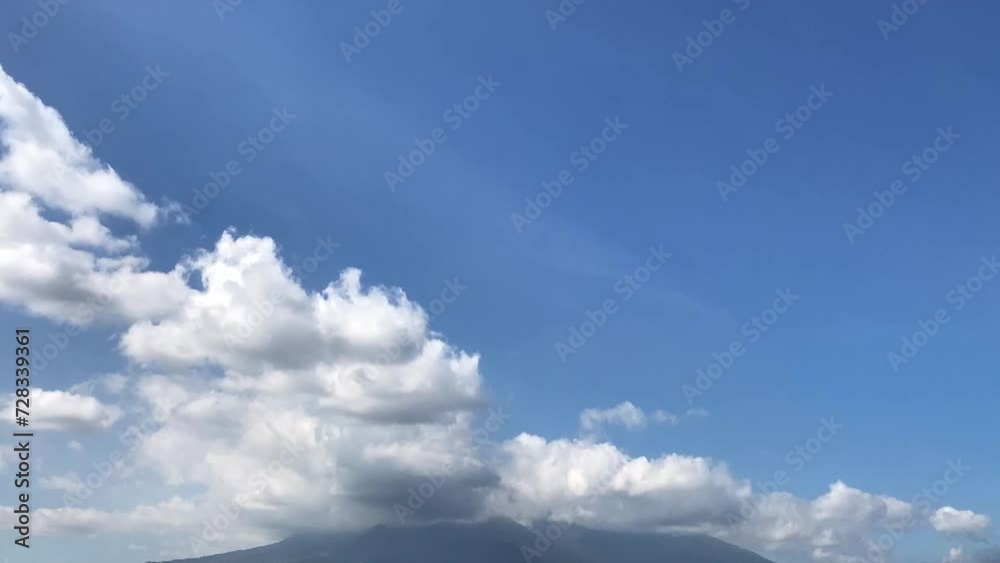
{"type": "Point", "coordinates": [495, 540]}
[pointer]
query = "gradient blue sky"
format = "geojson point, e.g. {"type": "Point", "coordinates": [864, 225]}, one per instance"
{"type": "Point", "coordinates": [655, 185]}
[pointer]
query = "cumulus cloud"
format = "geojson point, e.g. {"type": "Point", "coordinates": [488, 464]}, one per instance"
{"type": "Point", "coordinates": [72, 268]}
{"type": "Point", "coordinates": [597, 484]}
{"type": "Point", "coordinates": [346, 349]}
{"type": "Point", "coordinates": [44, 160]}
{"type": "Point", "coordinates": [966, 523]}
{"type": "Point", "coordinates": [835, 524]}
{"type": "Point", "coordinates": [65, 410]}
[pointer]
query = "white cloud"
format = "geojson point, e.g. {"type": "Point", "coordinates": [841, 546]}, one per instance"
{"type": "Point", "coordinates": [599, 485]}
{"type": "Point", "coordinates": [246, 287]}
{"type": "Point", "coordinates": [624, 414]}
{"type": "Point", "coordinates": [64, 410]}
{"type": "Point", "coordinates": [365, 352]}
{"type": "Point", "coordinates": [114, 383]}
{"type": "Point", "coordinates": [966, 523]}
{"type": "Point", "coordinates": [955, 555]}
{"type": "Point", "coordinates": [44, 160]}
{"type": "Point", "coordinates": [71, 269]}
{"type": "Point", "coordinates": [74, 445]}
{"type": "Point", "coordinates": [832, 525]}
{"type": "Point", "coordinates": [664, 417]}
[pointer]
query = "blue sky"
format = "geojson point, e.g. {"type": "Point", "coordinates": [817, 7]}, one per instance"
{"type": "Point", "coordinates": [655, 185]}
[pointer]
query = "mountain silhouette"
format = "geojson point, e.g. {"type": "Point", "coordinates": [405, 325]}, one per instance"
{"type": "Point", "coordinates": [492, 541]}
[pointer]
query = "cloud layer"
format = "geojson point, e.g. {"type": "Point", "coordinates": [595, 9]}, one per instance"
{"type": "Point", "coordinates": [965, 523]}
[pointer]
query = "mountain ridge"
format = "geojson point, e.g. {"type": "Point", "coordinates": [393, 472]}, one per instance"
{"type": "Point", "coordinates": [497, 540]}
